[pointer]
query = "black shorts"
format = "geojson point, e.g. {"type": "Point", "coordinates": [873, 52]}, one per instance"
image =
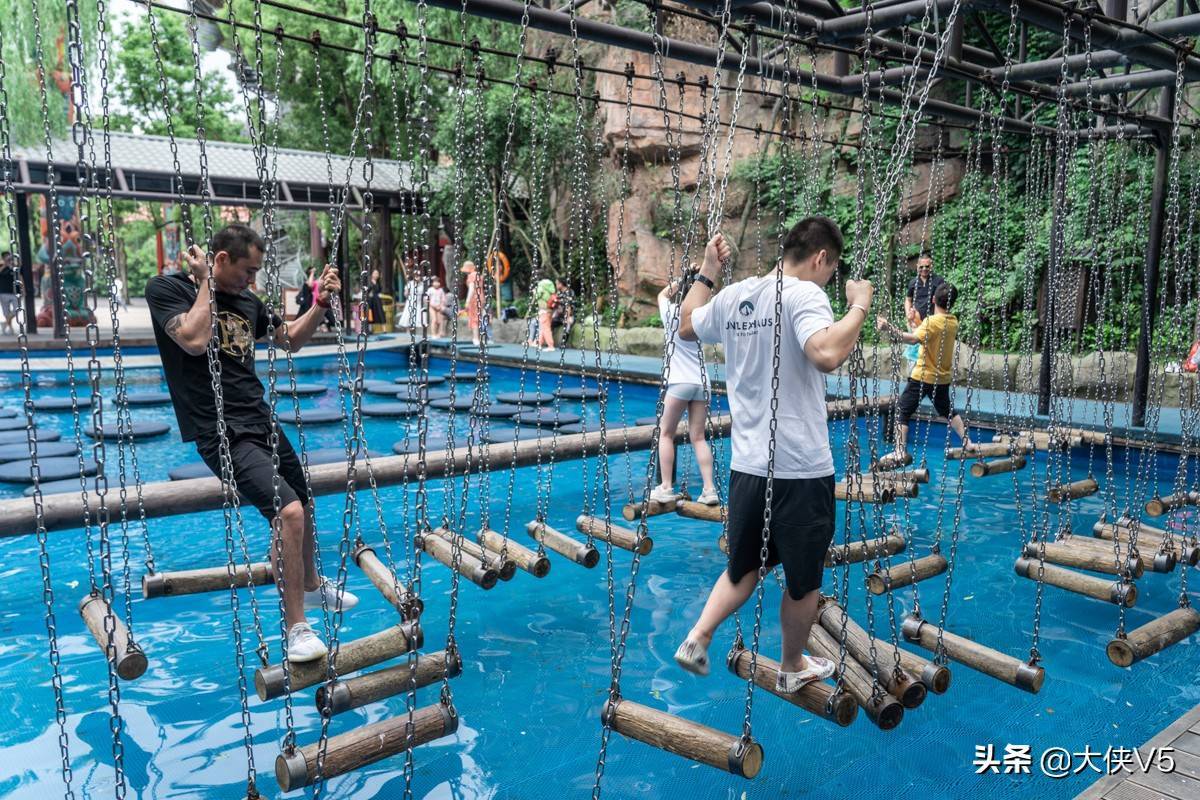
{"type": "Point", "coordinates": [250, 452]}
{"type": "Point", "coordinates": [802, 522]}
{"type": "Point", "coordinates": [911, 398]}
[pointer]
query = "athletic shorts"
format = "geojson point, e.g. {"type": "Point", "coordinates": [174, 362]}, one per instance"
{"type": "Point", "coordinates": [9, 305]}
{"type": "Point", "coordinates": [250, 451]}
{"type": "Point", "coordinates": [915, 390]}
{"type": "Point", "coordinates": [802, 522]}
{"type": "Point", "coordinates": [686, 391]}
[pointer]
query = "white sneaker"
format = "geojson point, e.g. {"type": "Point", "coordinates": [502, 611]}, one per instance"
{"type": "Point", "coordinates": [693, 657]}
{"type": "Point", "coordinates": [662, 494]}
{"type": "Point", "coordinates": [328, 588]}
{"type": "Point", "coordinates": [303, 644]}
{"type": "Point", "coordinates": [818, 669]}
{"type": "Point", "coordinates": [709, 498]}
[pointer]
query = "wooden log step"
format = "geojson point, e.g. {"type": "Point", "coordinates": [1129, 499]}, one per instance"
{"type": "Point", "coordinates": [936, 677]}
{"type": "Point", "coordinates": [345, 694]}
{"type": "Point", "coordinates": [1158, 506]}
{"type": "Point", "coordinates": [891, 461]}
{"type": "Point", "coordinates": [884, 710]}
{"type": "Point", "coordinates": [351, 657]}
{"type": "Point", "coordinates": [817, 697]}
{"type": "Point", "coordinates": [900, 487]}
{"type": "Point", "coordinates": [505, 567]}
{"type": "Point", "coordinates": [635, 511]}
{"type": "Point", "coordinates": [906, 573]}
{"type": "Point", "coordinates": [866, 492]}
{"type": "Point", "coordinates": [617, 535]}
{"type": "Point", "coordinates": [1068, 553]}
{"type": "Point", "coordinates": [919, 475]}
{"type": "Point", "coordinates": [536, 564]}
{"type": "Point", "coordinates": [580, 552]}
{"type": "Point", "coordinates": [1066, 492]}
{"type": "Point", "coordinates": [1186, 552]}
{"type": "Point", "coordinates": [127, 657]}
{"type": "Point", "coordinates": [470, 567]}
{"type": "Point", "coordinates": [682, 737]}
{"type": "Point", "coordinates": [836, 409]}
{"type": "Point", "coordinates": [1060, 439]}
{"type": "Point", "coordinates": [989, 450]}
{"type": "Point", "coordinates": [400, 596]}
{"type": "Point", "coordinates": [1087, 585]}
{"type": "Point", "coordinates": [365, 745]}
{"type": "Point", "coordinates": [208, 579]}
{"type": "Point", "coordinates": [981, 469]}
{"type": "Point", "coordinates": [962, 650]}
{"type": "Point", "coordinates": [693, 510]}
{"type": "Point", "coordinates": [1147, 558]}
{"type": "Point", "coordinates": [903, 686]}
{"type": "Point", "coordinates": [859, 551]}
{"type": "Point", "coordinates": [1153, 637]}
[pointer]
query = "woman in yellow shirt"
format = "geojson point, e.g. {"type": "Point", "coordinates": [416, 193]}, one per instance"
{"type": "Point", "coordinates": [934, 367]}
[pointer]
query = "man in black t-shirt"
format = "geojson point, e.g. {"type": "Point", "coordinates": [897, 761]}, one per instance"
{"type": "Point", "coordinates": [918, 300]}
{"type": "Point", "coordinates": [179, 309]}
{"type": "Point", "coordinates": [8, 291]}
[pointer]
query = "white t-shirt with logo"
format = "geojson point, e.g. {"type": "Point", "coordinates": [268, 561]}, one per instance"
{"type": "Point", "coordinates": [685, 356]}
{"type": "Point", "coordinates": [742, 318]}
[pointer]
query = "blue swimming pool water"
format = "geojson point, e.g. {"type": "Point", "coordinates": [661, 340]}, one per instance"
{"type": "Point", "coordinates": [536, 664]}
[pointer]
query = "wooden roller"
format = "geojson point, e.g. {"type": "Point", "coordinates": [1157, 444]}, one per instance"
{"type": "Point", "coordinates": [579, 552]}
{"type": "Point", "coordinates": [344, 695]}
{"type": "Point", "coordinates": [531, 561]}
{"type": "Point", "coordinates": [1066, 492]}
{"type": "Point", "coordinates": [1088, 585]}
{"type": "Point", "coordinates": [127, 657]}
{"type": "Point", "coordinates": [884, 710]}
{"type": "Point", "coordinates": [652, 508]}
{"type": "Point", "coordinates": [693, 510]}
{"type": "Point", "coordinates": [723, 544]}
{"type": "Point", "coordinates": [683, 737]}
{"type": "Point", "coordinates": [1077, 554]}
{"type": "Point", "coordinates": [854, 552]}
{"type": "Point", "coordinates": [981, 469]}
{"type": "Point", "coordinates": [1147, 557]}
{"type": "Point", "coordinates": [904, 574]}
{"type": "Point", "coordinates": [209, 579]}
{"type": "Point", "coordinates": [864, 491]}
{"type": "Point", "coordinates": [818, 697]}
{"type": "Point", "coordinates": [1153, 637]}
{"type": "Point", "coordinates": [351, 657]}
{"type": "Point", "coordinates": [989, 450]}
{"type": "Point", "coordinates": [891, 461]}
{"type": "Point", "coordinates": [1158, 506]}
{"type": "Point", "coordinates": [835, 409]}
{"type": "Point", "coordinates": [961, 650]}
{"type": "Point", "coordinates": [482, 575]}
{"type": "Point", "coordinates": [616, 535]}
{"type": "Point", "coordinates": [936, 677]}
{"type": "Point", "coordinates": [1153, 538]}
{"type": "Point", "coordinates": [1060, 439]}
{"type": "Point", "coordinates": [900, 486]}
{"type": "Point", "coordinates": [397, 594]}
{"type": "Point", "coordinates": [505, 567]}
{"type": "Point", "coordinates": [903, 686]}
{"type": "Point", "coordinates": [365, 745]}
{"type": "Point", "coordinates": [919, 475]}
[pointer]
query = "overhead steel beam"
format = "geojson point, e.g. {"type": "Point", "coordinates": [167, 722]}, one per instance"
{"type": "Point", "coordinates": [1052, 67]}
{"type": "Point", "coordinates": [1148, 79]}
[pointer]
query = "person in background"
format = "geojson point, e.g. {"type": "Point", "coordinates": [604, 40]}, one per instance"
{"type": "Point", "coordinates": [304, 295]}
{"type": "Point", "coordinates": [476, 309]}
{"type": "Point", "coordinates": [745, 318]}
{"type": "Point", "coordinates": [437, 309]}
{"type": "Point", "coordinates": [376, 315]}
{"type": "Point", "coordinates": [543, 335]}
{"type": "Point", "coordinates": [563, 310]}
{"type": "Point", "coordinates": [8, 291]}
{"type": "Point", "coordinates": [918, 301]}
{"type": "Point", "coordinates": [686, 386]}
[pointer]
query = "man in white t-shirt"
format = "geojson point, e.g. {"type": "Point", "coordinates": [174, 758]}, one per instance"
{"type": "Point", "coordinates": [743, 318]}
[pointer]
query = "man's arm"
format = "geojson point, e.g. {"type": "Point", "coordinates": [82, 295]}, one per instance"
{"type": "Point", "coordinates": [299, 332]}
{"type": "Point", "coordinates": [715, 253]}
{"type": "Point", "coordinates": [192, 329]}
{"type": "Point", "coordinates": [829, 347]}
{"type": "Point", "coordinates": [897, 333]}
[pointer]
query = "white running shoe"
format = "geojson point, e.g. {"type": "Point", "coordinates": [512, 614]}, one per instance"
{"type": "Point", "coordinates": [303, 644]}
{"type": "Point", "coordinates": [709, 498]}
{"type": "Point", "coordinates": [693, 657]}
{"type": "Point", "coordinates": [661, 494]}
{"type": "Point", "coordinates": [818, 669]}
{"type": "Point", "coordinates": [329, 589]}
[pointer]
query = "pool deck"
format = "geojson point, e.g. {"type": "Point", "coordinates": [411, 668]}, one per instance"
{"type": "Point", "coordinates": [1183, 735]}
{"type": "Point", "coordinates": [987, 406]}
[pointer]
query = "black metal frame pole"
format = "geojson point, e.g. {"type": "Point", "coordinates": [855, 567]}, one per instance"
{"type": "Point", "coordinates": [341, 257]}
{"type": "Point", "coordinates": [1158, 203]}
{"type": "Point", "coordinates": [25, 250]}
{"type": "Point", "coordinates": [1059, 199]}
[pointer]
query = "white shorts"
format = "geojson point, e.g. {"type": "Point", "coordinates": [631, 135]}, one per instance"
{"type": "Point", "coordinates": [8, 305]}
{"type": "Point", "coordinates": [686, 391]}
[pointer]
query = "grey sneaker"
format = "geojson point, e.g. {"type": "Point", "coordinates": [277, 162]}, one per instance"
{"type": "Point", "coordinates": [818, 669]}
{"type": "Point", "coordinates": [303, 644]}
{"type": "Point", "coordinates": [693, 657]}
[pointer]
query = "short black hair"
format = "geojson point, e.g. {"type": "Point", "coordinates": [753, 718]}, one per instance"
{"type": "Point", "coordinates": [945, 295]}
{"type": "Point", "coordinates": [924, 254]}
{"type": "Point", "coordinates": [811, 235]}
{"type": "Point", "coordinates": [237, 241]}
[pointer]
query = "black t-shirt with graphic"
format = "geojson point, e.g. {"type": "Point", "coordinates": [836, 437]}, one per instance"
{"type": "Point", "coordinates": [8, 280]}
{"type": "Point", "coordinates": [241, 319]}
{"type": "Point", "coordinates": [921, 294]}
